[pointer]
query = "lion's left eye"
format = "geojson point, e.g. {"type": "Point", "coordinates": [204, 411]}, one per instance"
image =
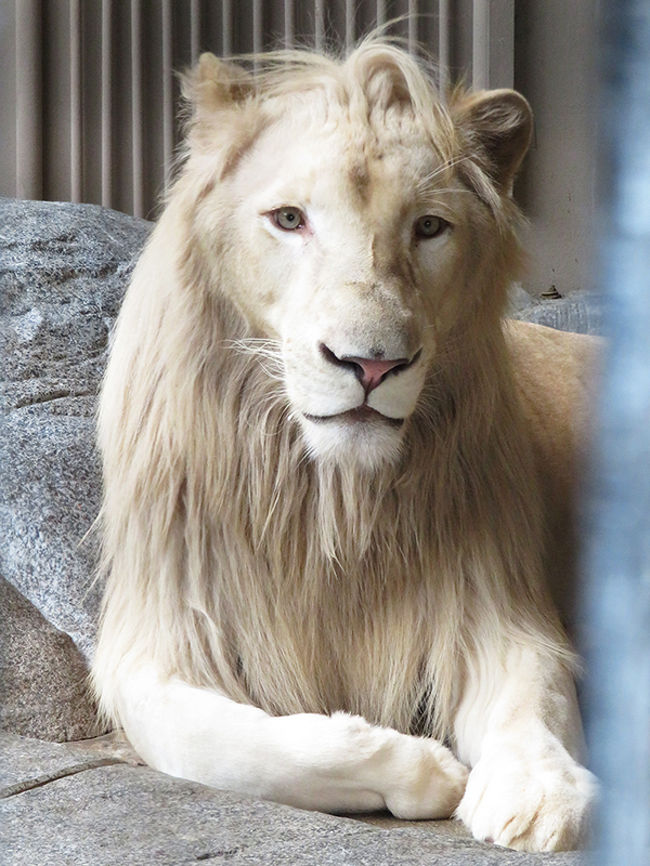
{"type": "Point", "coordinates": [288, 218]}
{"type": "Point", "coordinates": [430, 226]}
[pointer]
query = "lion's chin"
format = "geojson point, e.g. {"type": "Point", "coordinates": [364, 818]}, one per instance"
{"type": "Point", "coordinates": [361, 436]}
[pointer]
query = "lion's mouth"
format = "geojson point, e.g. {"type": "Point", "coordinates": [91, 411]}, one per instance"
{"type": "Point", "coordinates": [360, 414]}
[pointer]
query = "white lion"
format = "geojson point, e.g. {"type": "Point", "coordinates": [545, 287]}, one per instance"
{"type": "Point", "coordinates": [336, 483]}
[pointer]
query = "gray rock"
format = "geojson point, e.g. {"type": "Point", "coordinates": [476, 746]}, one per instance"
{"type": "Point", "coordinates": [26, 762]}
{"type": "Point", "coordinates": [63, 271]}
{"type": "Point", "coordinates": [579, 311]}
{"type": "Point", "coordinates": [43, 676]}
{"type": "Point", "coordinates": [108, 814]}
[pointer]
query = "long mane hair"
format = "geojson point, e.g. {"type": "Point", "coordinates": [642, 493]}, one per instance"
{"type": "Point", "coordinates": [238, 562]}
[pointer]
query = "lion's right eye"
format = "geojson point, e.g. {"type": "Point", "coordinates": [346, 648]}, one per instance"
{"type": "Point", "coordinates": [288, 218]}
{"type": "Point", "coordinates": [430, 226]}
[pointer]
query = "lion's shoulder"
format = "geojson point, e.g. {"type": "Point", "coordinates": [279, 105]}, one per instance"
{"type": "Point", "coordinates": [555, 374]}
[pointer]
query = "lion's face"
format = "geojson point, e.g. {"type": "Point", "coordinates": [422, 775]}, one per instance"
{"type": "Point", "coordinates": [354, 253]}
{"type": "Point", "coordinates": [350, 244]}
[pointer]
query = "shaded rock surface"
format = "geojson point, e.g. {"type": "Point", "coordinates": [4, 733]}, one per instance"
{"type": "Point", "coordinates": [43, 676]}
{"type": "Point", "coordinates": [63, 271]}
{"type": "Point", "coordinates": [106, 812]}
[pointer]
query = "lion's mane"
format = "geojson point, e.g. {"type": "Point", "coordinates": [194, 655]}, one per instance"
{"type": "Point", "coordinates": [240, 563]}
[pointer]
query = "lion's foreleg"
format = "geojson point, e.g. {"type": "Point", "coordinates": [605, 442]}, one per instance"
{"type": "Point", "coordinates": [519, 728]}
{"type": "Point", "coordinates": [337, 763]}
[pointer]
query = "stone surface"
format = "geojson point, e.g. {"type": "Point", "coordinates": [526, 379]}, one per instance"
{"type": "Point", "coordinates": [43, 676]}
{"type": "Point", "coordinates": [120, 814]}
{"type": "Point", "coordinates": [26, 762]}
{"type": "Point", "coordinates": [581, 312]}
{"type": "Point", "coordinates": [63, 271]}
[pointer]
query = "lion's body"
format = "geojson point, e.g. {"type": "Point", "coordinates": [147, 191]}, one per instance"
{"type": "Point", "coordinates": [555, 374]}
{"type": "Point", "coordinates": [266, 544]}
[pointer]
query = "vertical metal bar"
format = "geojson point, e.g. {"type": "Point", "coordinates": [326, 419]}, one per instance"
{"type": "Point", "coordinates": [617, 562]}
{"type": "Point", "coordinates": [493, 34]}
{"type": "Point", "coordinates": [319, 25]}
{"type": "Point", "coordinates": [226, 28]}
{"type": "Point", "coordinates": [258, 26]}
{"type": "Point", "coordinates": [444, 44]}
{"type": "Point", "coordinates": [502, 43]}
{"type": "Point", "coordinates": [480, 44]}
{"type": "Point", "coordinates": [76, 183]}
{"type": "Point", "coordinates": [29, 99]}
{"type": "Point", "coordinates": [106, 100]}
{"type": "Point", "coordinates": [289, 23]}
{"type": "Point", "coordinates": [412, 25]}
{"type": "Point", "coordinates": [381, 13]}
{"type": "Point", "coordinates": [350, 29]}
{"type": "Point", "coordinates": [195, 30]}
{"type": "Point", "coordinates": [136, 108]}
{"type": "Point", "coordinates": [167, 95]}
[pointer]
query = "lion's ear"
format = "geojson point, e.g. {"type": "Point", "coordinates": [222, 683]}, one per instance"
{"type": "Point", "coordinates": [498, 127]}
{"type": "Point", "coordinates": [222, 118]}
{"type": "Point", "coordinates": [213, 84]}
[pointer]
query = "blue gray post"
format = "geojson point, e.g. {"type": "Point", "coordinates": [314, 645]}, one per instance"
{"type": "Point", "coordinates": [617, 561]}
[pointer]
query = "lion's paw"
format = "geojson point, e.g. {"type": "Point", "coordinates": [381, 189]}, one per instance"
{"type": "Point", "coordinates": [428, 783]}
{"type": "Point", "coordinates": [529, 804]}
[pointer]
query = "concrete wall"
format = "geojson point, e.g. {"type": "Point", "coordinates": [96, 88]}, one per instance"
{"type": "Point", "coordinates": [555, 68]}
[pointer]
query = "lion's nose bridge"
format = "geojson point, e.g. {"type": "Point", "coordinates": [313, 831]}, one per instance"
{"type": "Point", "coordinates": [380, 324]}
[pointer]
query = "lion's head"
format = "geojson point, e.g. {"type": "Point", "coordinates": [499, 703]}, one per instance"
{"type": "Point", "coordinates": [357, 221]}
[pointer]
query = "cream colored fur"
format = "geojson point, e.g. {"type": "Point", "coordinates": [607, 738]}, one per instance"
{"type": "Point", "coordinates": [304, 602]}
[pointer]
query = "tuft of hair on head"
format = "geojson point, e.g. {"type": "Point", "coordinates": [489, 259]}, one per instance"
{"type": "Point", "coordinates": [379, 67]}
{"type": "Point", "coordinates": [388, 73]}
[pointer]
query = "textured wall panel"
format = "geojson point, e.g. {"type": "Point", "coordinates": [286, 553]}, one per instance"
{"type": "Point", "coordinates": [96, 92]}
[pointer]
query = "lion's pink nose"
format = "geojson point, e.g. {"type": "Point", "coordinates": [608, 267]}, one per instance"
{"type": "Point", "coordinates": [371, 372]}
